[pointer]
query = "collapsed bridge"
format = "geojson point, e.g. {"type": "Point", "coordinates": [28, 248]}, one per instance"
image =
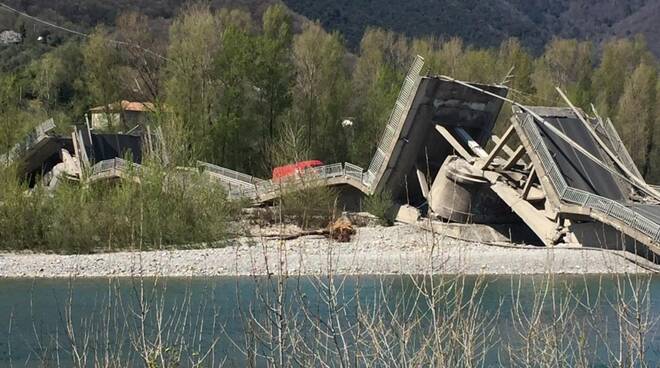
{"type": "Point", "coordinates": [567, 176]}
{"type": "Point", "coordinates": [563, 175]}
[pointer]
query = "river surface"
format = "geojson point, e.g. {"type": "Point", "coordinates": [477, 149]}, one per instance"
{"type": "Point", "coordinates": [232, 320]}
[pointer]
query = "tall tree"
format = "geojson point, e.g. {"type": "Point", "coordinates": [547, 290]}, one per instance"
{"type": "Point", "coordinates": [512, 57]}
{"type": "Point", "coordinates": [142, 54]}
{"type": "Point", "coordinates": [620, 59]}
{"type": "Point", "coordinates": [17, 115]}
{"type": "Point", "coordinates": [426, 47]}
{"type": "Point", "coordinates": [566, 64]}
{"type": "Point", "coordinates": [376, 81]}
{"type": "Point", "coordinates": [479, 65]}
{"type": "Point", "coordinates": [236, 133]}
{"type": "Point", "coordinates": [58, 83]}
{"type": "Point", "coordinates": [636, 116]}
{"type": "Point", "coordinates": [654, 162]}
{"type": "Point", "coordinates": [191, 86]}
{"type": "Point", "coordinates": [102, 72]}
{"type": "Point", "coordinates": [451, 55]}
{"type": "Point", "coordinates": [46, 83]}
{"type": "Point", "coordinates": [273, 74]}
{"type": "Point", "coordinates": [9, 106]}
{"type": "Point", "coordinates": [321, 91]}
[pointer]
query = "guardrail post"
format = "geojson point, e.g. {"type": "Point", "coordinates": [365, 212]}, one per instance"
{"type": "Point", "coordinates": [609, 211]}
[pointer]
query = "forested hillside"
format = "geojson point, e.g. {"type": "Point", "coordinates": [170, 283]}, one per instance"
{"type": "Point", "coordinates": [254, 86]}
{"type": "Point", "coordinates": [487, 23]}
{"type": "Point", "coordinates": [479, 23]}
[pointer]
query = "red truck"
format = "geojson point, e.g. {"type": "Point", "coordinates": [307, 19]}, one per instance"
{"type": "Point", "coordinates": [282, 172]}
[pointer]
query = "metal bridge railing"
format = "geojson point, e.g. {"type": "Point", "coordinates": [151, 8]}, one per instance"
{"type": "Point", "coordinates": [266, 188]}
{"type": "Point", "coordinates": [602, 205]}
{"type": "Point", "coordinates": [117, 164]}
{"type": "Point", "coordinates": [326, 172]}
{"type": "Point", "coordinates": [539, 146]}
{"type": "Point", "coordinates": [353, 171]}
{"type": "Point", "coordinates": [238, 178]}
{"type": "Point", "coordinates": [34, 137]}
{"type": "Point", "coordinates": [395, 122]}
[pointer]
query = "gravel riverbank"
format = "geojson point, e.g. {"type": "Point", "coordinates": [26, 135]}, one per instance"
{"type": "Point", "coordinates": [401, 249]}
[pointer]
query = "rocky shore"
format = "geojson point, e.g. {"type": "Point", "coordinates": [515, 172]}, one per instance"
{"type": "Point", "coordinates": [402, 249]}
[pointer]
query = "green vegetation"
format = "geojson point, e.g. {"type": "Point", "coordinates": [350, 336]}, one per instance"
{"type": "Point", "coordinates": [229, 84]}
{"type": "Point", "coordinates": [311, 207]}
{"type": "Point", "coordinates": [162, 210]}
{"type": "Point", "coordinates": [380, 205]}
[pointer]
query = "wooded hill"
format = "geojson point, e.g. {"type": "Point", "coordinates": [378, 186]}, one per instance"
{"type": "Point", "coordinates": [478, 23]}
{"type": "Point", "coordinates": [487, 23]}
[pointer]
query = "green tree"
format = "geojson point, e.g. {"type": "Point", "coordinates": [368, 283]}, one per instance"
{"type": "Point", "coordinates": [566, 64]}
{"type": "Point", "coordinates": [654, 162]}
{"type": "Point", "coordinates": [513, 57]}
{"type": "Point", "coordinates": [321, 91]}
{"type": "Point", "coordinates": [101, 66]}
{"type": "Point", "coordinates": [273, 73]}
{"type": "Point", "coordinates": [17, 115]}
{"type": "Point", "coordinates": [191, 87]}
{"type": "Point", "coordinates": [375, 84]}
{"type": "Point", "coordinates": [141, 55]}
{"type": "Point", "coordinates": [479, 65]}
{"type": "Point", "coordinates": [49, 72]}
{"type": "Point", "coordinates": [426, 47]}
{"type": "Point", "coordinates": [620, 59]}
{"type": "Point", "coordinates": [9, 124]}
{"type": "Point", "coordinates": [236, 132]}
{"type": "Point", "coordinates": [636, 116]}
{"type": "Point", "coordinates": [57, 84]}
{"type": "Point", "coordinates": [450, 56]}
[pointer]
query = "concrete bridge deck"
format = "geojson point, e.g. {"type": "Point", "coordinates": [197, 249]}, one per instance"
{"type": "Point", "coordinates": [585, 184]}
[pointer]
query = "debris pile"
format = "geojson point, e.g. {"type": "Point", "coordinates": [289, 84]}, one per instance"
{"type": "Point", "coordinates": [342, 230]}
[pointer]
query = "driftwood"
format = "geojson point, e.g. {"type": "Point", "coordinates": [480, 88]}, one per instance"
{"type": "Point", "coordinates": [341, 230]}
{"type": "Point", "coordinates": [324, 232]}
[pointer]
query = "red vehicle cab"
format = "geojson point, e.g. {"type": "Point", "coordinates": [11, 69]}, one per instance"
{"type": "Point", "coordinates": [282, 172]}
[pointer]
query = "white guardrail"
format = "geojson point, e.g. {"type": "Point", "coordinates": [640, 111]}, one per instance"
{"type": "Point", "coordinates": [115, 164]}
{"type": "Point", "coordinates": [235, 177]}
{"type": "Point", "coordinates": [602, 205]}
{"type": "Point", "coordinates": [244, 186]}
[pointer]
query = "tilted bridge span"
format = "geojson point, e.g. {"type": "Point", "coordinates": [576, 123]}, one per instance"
{"type": "Point", "coordinates": [567, 176]}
